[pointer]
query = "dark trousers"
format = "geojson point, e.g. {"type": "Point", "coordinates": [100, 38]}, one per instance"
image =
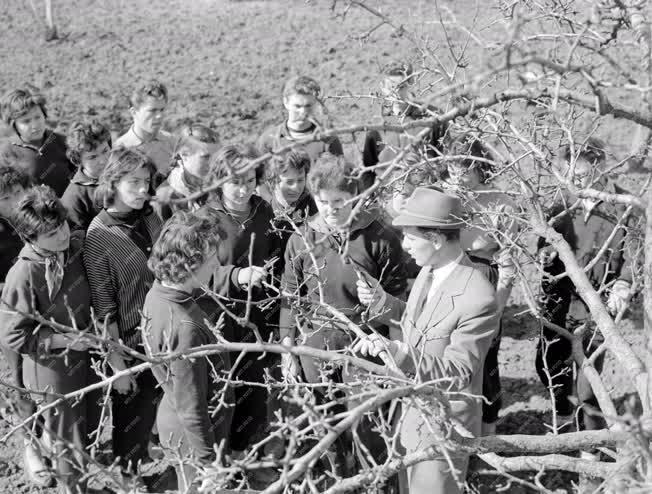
{"type": "Point", "coordinates": [491, 388]}
{"type": "Point", "coordinates": [249, 422]}
{"type": "Point", "coordinates": [553, 359]}
{"type": "Point", "coordinates": [134, 415]}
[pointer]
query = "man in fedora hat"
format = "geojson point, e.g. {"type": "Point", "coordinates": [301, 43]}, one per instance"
{"type": "Point", "coordinates": [447, 326]}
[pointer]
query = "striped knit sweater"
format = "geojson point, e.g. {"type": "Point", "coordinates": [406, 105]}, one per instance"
{"type": "Point", "coordinates": [118, 274]}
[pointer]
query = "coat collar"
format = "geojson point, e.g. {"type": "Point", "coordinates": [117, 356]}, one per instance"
{"type": "Point", "coordinates": [172, 294]}
{"type": "Point", "coordinates": [48, 137]}
{"type": "Point", "coordinates": [361, 221]}
{"type": "Point", "coordinates": [443, 301]}
{"type": "Point", "coordinates": [81, 178]}
{"type": "Point", "coordinates": [300, 205]}
{"type": "Point", "coordinates": [255, 201]}
{"type": "Point", "coordinates": [284, 131]}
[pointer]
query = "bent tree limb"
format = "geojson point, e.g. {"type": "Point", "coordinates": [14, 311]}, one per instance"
{"type": "Point", "coordinates": [622, 351]}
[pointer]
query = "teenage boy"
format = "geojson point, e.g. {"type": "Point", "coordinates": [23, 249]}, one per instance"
{"type": "Point", "coordinates": [245, 235]}
{"type": "Point", "coordinates": [89, 145]}
{"type": "Point", "coordinates": [399, 107]}
{"type": "Point", "coordinates": [300, 99]}
{"type": "Point", "coordinates": [148, 104]}
{"type": "Point", "coordinates": [38, 151]}
{"type": "Point", "coordinates": [327, 258]}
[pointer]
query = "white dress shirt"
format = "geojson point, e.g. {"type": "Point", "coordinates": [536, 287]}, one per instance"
{"type": "Point", "coordinates": [440, 274]}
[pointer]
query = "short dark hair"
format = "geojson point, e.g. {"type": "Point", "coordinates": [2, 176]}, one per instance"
{"type": "Point", "coordinates": [122, 162]}
{"type": "Point", "coordinates": [450, 234]}
{"type": "Point", "coordinates": [294, 160]}
{"type": "Point", "coordinates": [592, 149]}
{"type": "Point", "coordinates": [18, 102]}
{"type": "Point", "coordinates": [11, 177]}
{"type": "Point", "coordinates": [150, 89]}
{"type": "Point", "coordinates": [303, 85]}
{"type": "Point", "coordinates": [230, 159]}
{"type": "Point", "coordinates": [186, 241]}
{"type": "Point", "coordinates": [330, 172]}
{"type": "Point", "coordinates": [38, 211]}
{"type": "Point", "coordinates": [471, 147]}
{"type": "Point", "coordinates": [85, 136]}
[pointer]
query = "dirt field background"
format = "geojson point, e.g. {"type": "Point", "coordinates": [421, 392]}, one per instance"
{"type": "Point", "coordinates": [224, 64]}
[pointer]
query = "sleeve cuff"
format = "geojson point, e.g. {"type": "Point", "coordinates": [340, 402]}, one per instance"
{"type": "Point", "coordinates": [401, 352]}
{"type": "Point", "coordinates": [234, 277]}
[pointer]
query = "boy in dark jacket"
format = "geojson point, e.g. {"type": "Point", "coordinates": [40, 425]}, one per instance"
{"type": "Point", "coordinates": [325, 261]}
{"type": "Point", "coordinates": [246, 245]}
{"type": "Point", "coordinates": [36, 150]}
{"type": "Point", "coordinates": [89, 145]}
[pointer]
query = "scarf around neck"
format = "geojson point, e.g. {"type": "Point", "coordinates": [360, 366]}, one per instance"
{"type": "Point", "coordinates": [183, 182]}
{"type": "Point", "coordinates": [54, 269]}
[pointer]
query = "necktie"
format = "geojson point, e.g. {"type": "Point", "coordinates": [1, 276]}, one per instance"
{"type": "Point", "coordinates": [423, 295]}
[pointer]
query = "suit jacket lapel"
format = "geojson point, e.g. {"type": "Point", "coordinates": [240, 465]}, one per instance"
{"type": "Point", "coordinates": [443, 301]}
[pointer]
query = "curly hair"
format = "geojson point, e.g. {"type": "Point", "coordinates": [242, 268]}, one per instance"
{"type": "Point", "coordinates": [294, 160]}
{"type": "Point", "coordinates": [11, 177]}
{"type": "Point", "coordinates": [471, 147]}
{"type": "Point", "coordinates": [330, 172]}
{"type": "Point", "coordinates": [151, 89]}
{"type": "Point", "coordinates": [85, 136]}
{"type": "Point", "coordinates": [18, 103]}
{"type": "Point", "coordinates": [185, 243]}
{"type": "Point", "coordinates": [230, 159]}
{"type": "Point", "coordinates": [303, 85]}
{"type": "Point", "coordinates": [38, 211]}
{"type": "Point", "coordinates": [122, 162]}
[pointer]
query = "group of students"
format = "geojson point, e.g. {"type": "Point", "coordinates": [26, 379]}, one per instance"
{"type": "Point", "coordinates": [153, 239]}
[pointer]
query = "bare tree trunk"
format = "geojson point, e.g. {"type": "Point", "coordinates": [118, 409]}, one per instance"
{"type": "Point", "coordinates": [50, 28]}
{"type": "Point", "coordinates": [647, 303]}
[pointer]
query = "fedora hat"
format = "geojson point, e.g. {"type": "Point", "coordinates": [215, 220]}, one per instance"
{"type": "Point", "coordinates": [430, 207]}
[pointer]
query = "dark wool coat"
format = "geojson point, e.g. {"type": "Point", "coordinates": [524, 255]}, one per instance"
{"type": "Point", "coordinates": [47, 164]}
{"type": "Point", "coordinates": [79, 201]}
{"type": "Point", "coordinates": [174, 322]}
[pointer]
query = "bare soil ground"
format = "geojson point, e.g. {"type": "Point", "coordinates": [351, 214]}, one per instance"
{"type": "Point", "coordinates": [225, 63]}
